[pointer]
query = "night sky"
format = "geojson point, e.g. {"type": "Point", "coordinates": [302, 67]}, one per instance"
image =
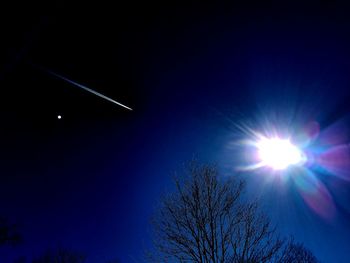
{"type": "Point", "coordinates": [192, 73]}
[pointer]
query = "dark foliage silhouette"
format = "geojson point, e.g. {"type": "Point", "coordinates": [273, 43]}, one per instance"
{"type": "Point", "coordinates": [297, 253]}
{"type": "Point", "coordinates": [61, 255]}
{"type": "Point", "coordinates": [205, 220]}
{"type": "Point", "coordinates": [8, 233]}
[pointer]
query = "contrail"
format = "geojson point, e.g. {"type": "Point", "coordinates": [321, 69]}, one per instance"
{"type": "Point", "coordinates": [87, 89]}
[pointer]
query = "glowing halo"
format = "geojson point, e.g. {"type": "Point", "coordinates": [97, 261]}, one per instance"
{"type": "Point", "coordinates": [275, 152]}
{"type": "Point", "coordinates": [296, 158]}
{"type": "Point", "coordinates": [278, 153]}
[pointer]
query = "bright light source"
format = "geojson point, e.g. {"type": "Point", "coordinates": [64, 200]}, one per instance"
{"type": "Point", "coordinates": [278, 153]}
{"type": "Point", "coordinates": [59, 117]}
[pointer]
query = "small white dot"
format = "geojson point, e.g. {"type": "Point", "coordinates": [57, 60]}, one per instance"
{"type": "Point", "coordinates": [59, 117]}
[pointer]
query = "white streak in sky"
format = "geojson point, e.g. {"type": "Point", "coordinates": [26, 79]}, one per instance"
{"type": "Point", "coordinates": [88, 89]}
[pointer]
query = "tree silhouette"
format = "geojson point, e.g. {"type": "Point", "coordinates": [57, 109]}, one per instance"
{"type": "Point", "coordinates": [113, 261]}
{"type": "Point", "coordinates": [21, 259]}
{"type": "Point", "coordinates": [205, 221]}
{"type": "Point", "coordinates": [61, 256]}
{"type": "Point", "coordinates": [297, 253]}
{"type": "Point", "coordinates": [8, 233]}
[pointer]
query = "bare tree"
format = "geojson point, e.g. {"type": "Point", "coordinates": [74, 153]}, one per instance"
{"type": "Point", "coordinates": [205, 221]}
{"type": "Point", "coordinates": [254, 239]}
{"type": "Point", "coordinates": [8, 233]}
{"type": "Point", "coordinates": [21, 259]}
{"type": "Point", "coordinates": [297, 253]}
{"type": "Point", "coordinates": [113, 261]}
{"type": "Point", "coordinates": [61, 256]}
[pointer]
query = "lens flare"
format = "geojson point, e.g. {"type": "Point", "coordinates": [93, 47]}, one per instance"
{"type": "Point", "coordinates": [314, 161]}
{"type": "Point", "coordinates": [272, 152]}
{"type": "Point", "coordinates": [278, 153]}
{"type": "Point", "coordinates": [314, 193]}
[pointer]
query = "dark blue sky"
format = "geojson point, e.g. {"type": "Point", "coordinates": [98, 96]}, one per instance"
{"type": "Point", "coordinates": [91, 180]}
